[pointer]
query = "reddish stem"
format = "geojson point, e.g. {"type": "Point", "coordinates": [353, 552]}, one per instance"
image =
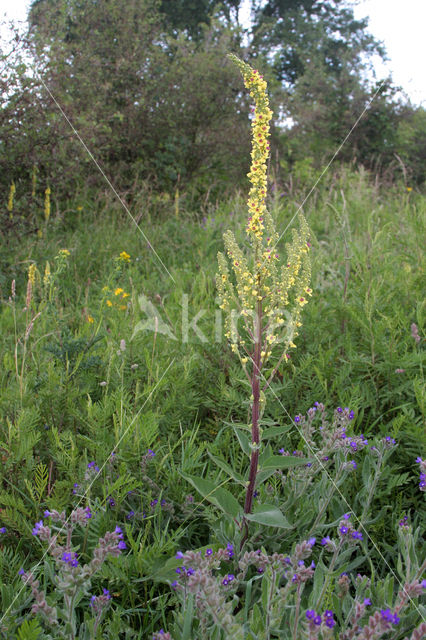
{"type": "Point", "coordinates": [255, 413]}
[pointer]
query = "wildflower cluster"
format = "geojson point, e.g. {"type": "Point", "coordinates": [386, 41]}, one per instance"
{"type": "Point", "coordinates": [317, 620]}
{"type": "Point", "coordinates": [422, 479]}
{"type": "Point", "coordinates": [71, 577]}
{"type": "Point", "coordinates": [118, 296]}
{"type": "Point", "coordinates": [326, 438]}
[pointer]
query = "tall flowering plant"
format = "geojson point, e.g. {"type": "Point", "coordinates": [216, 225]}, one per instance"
{"type": "Point", "coordinates": [261, 295]}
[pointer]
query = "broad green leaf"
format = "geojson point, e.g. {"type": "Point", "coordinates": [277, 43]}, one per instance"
{"type": "Point", "coordinates": [284, 462]}
{"type": "Point", "coordinates": [237, 477]}
{"type": "Point", "coordinates": [272, 432]}
{"type": "Point", "coordinates": [216, 495]}
{"type": "Point", "coordinates": [263, 475]}
{"type": "Point", "coordinates": [244, 441]}
{"type": "Point", "coordinates": [270, 515]}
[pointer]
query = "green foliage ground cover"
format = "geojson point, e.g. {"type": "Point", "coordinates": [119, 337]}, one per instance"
{"type": "Point", "coordinates": [86, 369]}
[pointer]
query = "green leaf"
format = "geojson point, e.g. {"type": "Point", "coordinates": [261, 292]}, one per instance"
{"type": "Point", "coordinates": [216, 495]}
{"type": "Point", "coordinates": [270, 515]}
{"type": "Point", "coordinates": [284, 462]}
{"type": "Point", "coordinates": [244, 441]}
{"type": "Point", "coordinates": [263, 475]}
{"type": "Point", "coordinates": [272, 432]}
{"type": "Point", "coordinates": [237, 477]}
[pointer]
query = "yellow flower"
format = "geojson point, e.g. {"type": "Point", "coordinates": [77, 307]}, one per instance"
{"type": "Point", "coordinates": [118, 291]}
{"type": "Point", "coordinates": [125, 295]}
{"type": "Point", "coordinates": [123, 307]}
{"type": "Point", "coordinates": [109, 303]}
{"type": "Point", "coordinates": [90, 319]}
{"type": "Point", "coordinates": [124, 256]}
{"type": "Point", "coordinates": [80, 208]}
{"type": "Point", "coordinates": [32, 270]}
{"type": "Point", "coordinates": [409, 189]}
{"type": "Point", "coordinates": [11, 196]}
{"type": "Point", "coordinates": [64, 252]}
{"type": "Point", "coordinates": [47, 204]}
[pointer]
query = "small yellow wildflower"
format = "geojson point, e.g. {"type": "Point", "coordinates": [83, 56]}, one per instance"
{"type": "Point", "coordinates": [90, 319]}
{"type": "Point", "coordinates": [80, 208]}
{"type": "Point", "coordinates": [64, 252]}
{"type": "Point", "coordinates": [409, 189]}
{"type": "Point", "coordinates": [125, 295]}
{"type": "Point", "coordinates": [118, 291]}
{"type": "Point", "coordinates": [123, 307]}
{"type": "Point", "coordinates": [124, 256]}
{"type": "Point", "coordinates": [109, 303]}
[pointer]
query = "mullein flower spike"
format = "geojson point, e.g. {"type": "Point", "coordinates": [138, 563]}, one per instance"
{"type": "Point", "coordinates": [260, 283]}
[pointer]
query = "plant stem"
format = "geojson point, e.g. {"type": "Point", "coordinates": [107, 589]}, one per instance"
{"type": "Point", "coordinates": [255, 413]}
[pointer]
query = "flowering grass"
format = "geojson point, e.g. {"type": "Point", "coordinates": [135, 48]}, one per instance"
{"type": "Point", "coordinates": [95, 420]}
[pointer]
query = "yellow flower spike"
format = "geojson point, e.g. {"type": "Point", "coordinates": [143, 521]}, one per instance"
{"type": "Point", "coordinates": [12, 192]}
{"type": "Point", "coordinates": [32, 271]}
{"type": "Point", "coordinates": [47, 204]}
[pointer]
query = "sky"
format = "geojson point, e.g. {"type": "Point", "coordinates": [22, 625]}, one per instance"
{"type": "Point", "coordinates": [399, 25]}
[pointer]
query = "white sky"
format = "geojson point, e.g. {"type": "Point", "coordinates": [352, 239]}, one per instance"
{"type": "Point", "coordinates": [400, 25]}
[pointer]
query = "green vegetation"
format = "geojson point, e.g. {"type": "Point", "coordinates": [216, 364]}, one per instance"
{"type": "Point", "coordinates": [152, 486]}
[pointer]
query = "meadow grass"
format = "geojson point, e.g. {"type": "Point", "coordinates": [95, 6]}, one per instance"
{"type": "Point", "coordinates": [82, 389]}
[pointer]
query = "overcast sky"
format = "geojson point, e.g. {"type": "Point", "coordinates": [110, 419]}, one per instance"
{"type": "Point", "coordinates": [400, 25]}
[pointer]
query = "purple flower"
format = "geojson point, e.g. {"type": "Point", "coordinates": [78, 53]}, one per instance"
{"type": "Point", "coordinates": [209, 552]}
{"type": "Point", "coordinates": [346, 516]}
{"type": "Point", "coordinates": [174, 584]}
{"type": "Point", "coordinates": [317, 620]}
{"type": "Point", "coordinates": [153, 502]}
{"type": "Point", "coordinates": [150, 453]}
{"type": "Point", "coordinates": [389, 616]}
{"type": "Point", "coordinates": [230, 550]}
{"type": "Point", "coordinates": [69, 558]}
{"type": "Point", "coordinates": [179, 555]}
{"type": "Point", "coordinates": [75, 488]}
{"type": "Point", "coordinates": [2, 529]}
{"type": "Point", "coordinates": [351, 415]}
{"type": "Point", "coordinates": [130, 515]}
{"type": "Point", "coordinates": [119, 531]}
{"type": "Point", "coordinates": [36, 528]}
{"type": "Point", "coordinates": [88, 513]}
{"type": "Point", "coordinates": [297, 419]}
{"type": "Point", "coordinates": [106, 593]}
{"type": "Point", "coordinates": [357, 535]}
{"type": "Point", "coordinates": [325, 540]}
{"type": "Point", "coordinates": [367, 602]}
{"type": "Point", "coordinates": [419, 460]}
{"type": "Point", "coordinates": [46, 513]}
{"type": "Point", "coordinates": [93, 465]}
{"type": "Point", "coordinates": [353, 463]}
{"type": "Point", "coordinates": [282, 451]}
{"type": "Point", "coordinates": [330, 622]}
{"type": "Point", "coordinates": [121, 545]}
{"type": "Point", "coordinates": [21, 572]}
{"type": "Point", "coordinates": [328, 613]}
{"type": "Point", "coordinates": [310, 614]}
{"type": "Point", "coordinates": [311, 541]}
{"type": "Point", "coordinates": [343, 530]}
{"type": "Point", "coordinates": [423, 583]}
